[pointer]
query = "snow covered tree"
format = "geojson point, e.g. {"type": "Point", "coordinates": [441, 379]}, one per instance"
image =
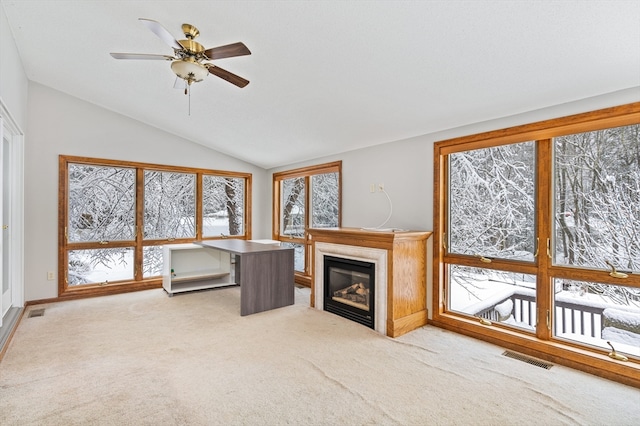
{"type": "Point", "coordinates": [169, 205]}
{"type": "Point", "coordinates": [101, 209]}
{"type": "Point", "coordinates": [598, 198]}
{"type": "Point", "coordinates": [324, 203]}
{"type": "Point", "coordinates": [492, 201]}
{"type": "Point", "coordinates": [101, 203]}
{"type": "Point", "coordinates": [293, 206]}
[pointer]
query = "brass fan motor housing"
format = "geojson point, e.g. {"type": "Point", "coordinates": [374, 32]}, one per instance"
{"type": "Point", "coordinates": [191, 46]}
{"type": "Point", "coordinates": [190, 31]}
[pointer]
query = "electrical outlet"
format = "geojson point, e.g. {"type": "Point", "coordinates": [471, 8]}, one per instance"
{"type": "Point", "coordinates": [381, 187]}
{"type": "Point", "coordinates": [51, 276]}
{"type": "Point", "coordinates": [372, 187]}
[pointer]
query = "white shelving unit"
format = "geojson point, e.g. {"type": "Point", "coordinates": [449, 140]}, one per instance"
{"type": "Point", "coordinates": [194, 268]}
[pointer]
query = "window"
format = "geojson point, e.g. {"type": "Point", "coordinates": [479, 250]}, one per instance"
{"type": "Point", "coordinates": [492, 199]}
{"type": "Point", "coordinates": [169, 205]}
{"type": "Point", "coordinates": [538, 238]}
{"type": "Point", "coordinates": [116, 216]}
{"type": "Point", "coordinates": [305, 198]}
{"type": "Point", "coordinates": [223, 206]}
{"type": "Point", "coordinates": [596, 227]}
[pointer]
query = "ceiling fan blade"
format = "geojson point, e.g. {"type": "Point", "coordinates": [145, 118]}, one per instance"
{"type": "Point", "coordinates": [226, 75]}
{"type": "Point", "coordinates": [142, 56]}
{"type": "Point", "coordinates": [161, 32]}
{"type": "Point", "coordinates": [234, 49]}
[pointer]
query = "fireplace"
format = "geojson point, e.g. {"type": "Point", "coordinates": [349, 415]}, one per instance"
{"type": "Point", "coordinates": [399, 271]}
{"type": "Point", "coordinates": [349, 289]}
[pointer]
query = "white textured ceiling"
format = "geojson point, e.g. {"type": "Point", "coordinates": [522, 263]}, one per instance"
{"type": "Point", "coordinates": [332, 76]}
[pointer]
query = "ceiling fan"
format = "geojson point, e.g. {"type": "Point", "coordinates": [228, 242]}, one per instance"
{"type": "Point", "coordinates": [189, 56]}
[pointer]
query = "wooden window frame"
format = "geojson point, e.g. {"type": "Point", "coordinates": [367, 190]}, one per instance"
{"type": "Point", "coordinates": [303, 278]}
{"type": "Point", "coordinates": [139, 282]}
{"type": "Point", "coordinates": [542, 344]}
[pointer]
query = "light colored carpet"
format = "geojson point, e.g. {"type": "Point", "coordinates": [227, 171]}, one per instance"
{"type": "Point", "coordinates": [144, 358]}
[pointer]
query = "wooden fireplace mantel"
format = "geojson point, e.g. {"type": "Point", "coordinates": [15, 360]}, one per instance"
{"type": "Point", "coordinates": [406, 270]}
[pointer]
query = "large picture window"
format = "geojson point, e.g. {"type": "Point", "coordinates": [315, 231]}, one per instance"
{"type": "Point", "coordinates": [305, 198]}
{"type": "Point", "coordinates": [538, 238]}
{"type": "Point", "coordinates": [116, 216]}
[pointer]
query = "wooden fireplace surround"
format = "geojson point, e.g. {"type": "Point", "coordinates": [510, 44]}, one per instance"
{"type": "Point", "coordinates": [406, 270]}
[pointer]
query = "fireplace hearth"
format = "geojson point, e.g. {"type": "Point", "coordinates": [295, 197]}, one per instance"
{"type": "Point", "coordinates": [349, 289]}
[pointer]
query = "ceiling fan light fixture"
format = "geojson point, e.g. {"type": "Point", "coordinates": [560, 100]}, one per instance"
{"type": "Point", "coordinates": [189, 70]}
{"type": "Point", "coordinates": [187, 61]}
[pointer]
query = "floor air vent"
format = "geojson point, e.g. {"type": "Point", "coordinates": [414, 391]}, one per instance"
{"type": "Point", "coordinates": [36, 313]}
{"type": "Point", "coordinates": [527, 359]}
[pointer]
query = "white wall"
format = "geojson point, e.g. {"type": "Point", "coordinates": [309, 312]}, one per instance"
{"type": "Point", "coordinates": [13, 80]}
{"type": "Point", "coordinates": [406, 167]}
{"type": "Point", "coordinates": [13, 95]}
{"type": "Point", "coordinates": [406, 170]}
{"type": "Point", "coordinates": [59, 124]}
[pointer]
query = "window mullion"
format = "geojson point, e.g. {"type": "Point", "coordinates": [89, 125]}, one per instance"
{"type": "Point", "coordinates": [544, 208]}
{"type": "Point", "coordinates": [307, 223]}
{"type": "Point", "coordinates": [199, 206]}
{"type": "Point", "coordinates": [307, 203]}
{"type": "Point", "coordinates": [138, 256]}
{"type": "Point", "coordinates": [276, 212]}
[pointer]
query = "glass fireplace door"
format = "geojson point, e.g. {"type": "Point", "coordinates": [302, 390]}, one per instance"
{"type": "Point", "coordinates": [349, 289]}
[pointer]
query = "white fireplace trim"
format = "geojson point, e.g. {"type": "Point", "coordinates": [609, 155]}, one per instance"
{"type": "Point", "coordinates": [365, 254]}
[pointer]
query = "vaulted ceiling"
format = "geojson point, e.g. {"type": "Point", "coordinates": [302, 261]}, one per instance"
{"type": "Point", "coordinates": [332, 76]}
